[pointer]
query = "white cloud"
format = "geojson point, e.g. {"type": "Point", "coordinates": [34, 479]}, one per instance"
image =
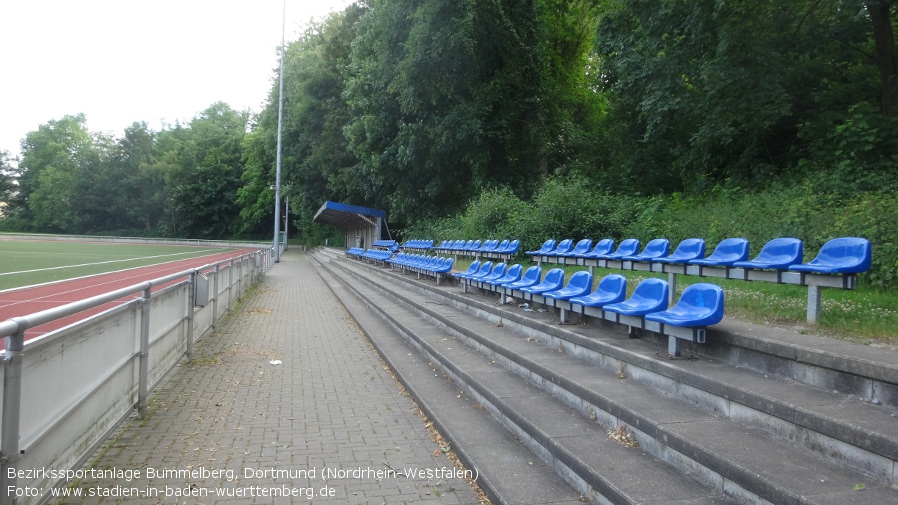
{"type": "Point", "coordinates": [120, 61]}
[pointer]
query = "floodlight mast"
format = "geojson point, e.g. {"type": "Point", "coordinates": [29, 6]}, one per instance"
{"type": "Point", "coordinates": [277, 183]}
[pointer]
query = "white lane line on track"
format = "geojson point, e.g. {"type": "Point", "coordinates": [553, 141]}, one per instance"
{"type": "Point", "coordinates": [102, 262]}
{"type": "Point", "coordinates": [169, 267]}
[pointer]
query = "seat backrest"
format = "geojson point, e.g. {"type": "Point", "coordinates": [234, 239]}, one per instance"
{"type": "Point", "coordinates": [628, 247]}
{"type": "Point", "coordinates": [582, 246]}
{"type": "Point", "coordinates": [485, 268]}
{"type": "Point", "coordinates": [702, 300]}
{"type": "Point", "coordinates": [581, 280]}
{"type": "Point", "coordinates": [731, 247]}
{"type": "Point", "coordinates": [502, 245]}
{"type": "Point", "coordinates": [475, 266]}
{"type": "Point", "coordinates": [499, 270]}
{"type": "Point", "coordinates": [651, 289]}
{"type": "Point", "coordinates": [548, 245]}
{"type": "Point", "coordinates": [604, 246]}
{"type": "Point", "coordinates": [702, 295]}
{"type": "Point", "coordinates": [532, 274]}
{"type": "Point", "coordinates": [613, 283]}
{"type": "Point", "coordinates": [512, 247]}
{"type": "Point", "coordinates": [657, 248]}
{"type": "Point", "coordinates": [554, 277]}
{"type": "Point", "coordinates": [782, 248]}
{"type": "Point", "coordinates": [691, 248]}
{"type": "Point", "coordinates": [564, 246]}
{"type": "Point", "coordinates": [852, 254]}
{"type": "Point", "coordinates": [513, 273]}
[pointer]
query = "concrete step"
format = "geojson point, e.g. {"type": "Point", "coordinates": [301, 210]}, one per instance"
{"type": "Point", "coordinates": [504, 468]}
{"type": "Point", "coordinates": [857, 431]}
{"type": "Point", "coordinates": [716, 402]}
{"type": "Point", "coordinates": [577, 448]}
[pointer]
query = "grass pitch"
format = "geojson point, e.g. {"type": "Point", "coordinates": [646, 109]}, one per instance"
{"type": "Point", "coordinates": [24, 263]}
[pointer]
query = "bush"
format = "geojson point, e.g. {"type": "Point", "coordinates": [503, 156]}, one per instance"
{"type": "Point", "coordinates": [571, 207]}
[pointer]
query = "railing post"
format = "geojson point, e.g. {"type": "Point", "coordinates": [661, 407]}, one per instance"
{"type": "Point", "coordinates": [230, 284]}
{"type": "Point", "coordinates": [144, 356]}
{"type": "Point", "coordinates": [215, 295]}
{"type": "Point", "coordinates": [191, 303]}
{"type": "Point", "coordinates": [12, 404]}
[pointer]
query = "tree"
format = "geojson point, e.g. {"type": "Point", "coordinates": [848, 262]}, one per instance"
{"type": "Point", "coordinates": [884, 42]}
{"type": "Point", "coordinates": [59, 146]}
{"type": "Point", "coordinates": [739, 93]}
{"type": "Point", "coordinates": [7, 182]}
{"type": "Point", "coordinates": [209, 160]}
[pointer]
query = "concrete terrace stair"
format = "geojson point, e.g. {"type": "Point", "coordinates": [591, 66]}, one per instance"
{"type": "Point", "coordinates": [755, 419]}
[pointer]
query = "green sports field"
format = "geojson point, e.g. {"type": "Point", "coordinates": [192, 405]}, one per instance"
{"type": "Point", "coordinates": [23, 263]}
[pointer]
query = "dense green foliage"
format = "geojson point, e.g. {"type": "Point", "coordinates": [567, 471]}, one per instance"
{"type": "Point", "coordinates": [524, 118]}
{"type": "Point", "coordinates": [574, 207]}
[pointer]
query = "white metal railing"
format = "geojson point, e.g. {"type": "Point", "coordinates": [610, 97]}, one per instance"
{"type": "Point", "coordinates": [64, 392]}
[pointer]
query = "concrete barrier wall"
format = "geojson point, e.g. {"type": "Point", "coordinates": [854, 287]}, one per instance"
{"type": "Point", "coordinates": [79, 382]}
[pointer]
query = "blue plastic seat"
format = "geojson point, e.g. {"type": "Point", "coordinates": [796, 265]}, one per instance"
{"type": "Point", "coordinates": [511, 248]}
{"type": "Point", "coordinates": [582, 247]}
{"type": "Point", "coordinates": [485, 268]}
{"type": "Point", "coordinates": [700, 304]}
{"type": "Point", "coordinates": [548, 246]}
{"type": "Point", "coordinates": [446, 267]}
{"type": "Point", "coordinates": [513, 274]}
{"type": "Point", "coordinates": [579, 285]}
{"type": "Point", "coordinates": [688, 250]}
{"type": "Point", "coordinates": [562, 248]}
{"type": "Point", "coordinates": [649, 296]}
{"type": "Point", "coordinates": [611, 289]}
{"type": "Point", "coordinates": [497, 273]}
{"type": "Point", "coordinates": [530, 278]}
{"type": "Point", "coordinates": [488, 246]}
{"type": "Point", "coordinates": [844, 255]}
{"type": "Point", "coordinates": [628, 247]}
{"type": "Point", "coordinates": [657, 248]}
{"type": "Point", "coordinates": [778, 254]}
{"type": "Point", "coordinates": [475, 266]}
{"type": "Point", "coordinates": [553, 280]}
{"type": "Point", "coordinates": [603, 247]}
{"type": "Point", "coordinates": [727, 252]}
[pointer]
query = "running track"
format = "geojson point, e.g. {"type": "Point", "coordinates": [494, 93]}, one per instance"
{"type": "Point", "coordinates": [26, 301]}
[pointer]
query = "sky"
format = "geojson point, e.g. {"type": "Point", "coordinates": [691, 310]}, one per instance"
{"type": "Point", "coordinates": [121, 61]}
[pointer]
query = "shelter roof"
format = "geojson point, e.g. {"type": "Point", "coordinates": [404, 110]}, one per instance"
{"type": "Point", "coordinates": [347, 217]}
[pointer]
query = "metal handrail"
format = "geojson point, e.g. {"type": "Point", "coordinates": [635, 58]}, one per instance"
{"type": "Point", "coordinates": [13, 332]}
{"type": "Point", "coordinates": [14, 325]}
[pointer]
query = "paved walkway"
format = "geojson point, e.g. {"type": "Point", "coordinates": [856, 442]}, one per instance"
{"type": "Point", "coordinates": [286, 397]}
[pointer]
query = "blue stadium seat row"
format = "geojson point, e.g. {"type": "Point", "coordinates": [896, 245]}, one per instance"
{"type": "Point", "coordinates": [843, 255]}
{"type": "Point", "coordinates": [418, 244]}
{"type": "Point", "coordinates": [369, 254]}
{"type": "Point", "coordinates": [355, 251]}
{"type": "Point", "coordinates": [433, 266]}
{"type": "Point", "coordinates": [503, 247]}
{"type": "Point", "coordinates": [699, 306]}
{"type": "Point", "coordinates": [390, 245]}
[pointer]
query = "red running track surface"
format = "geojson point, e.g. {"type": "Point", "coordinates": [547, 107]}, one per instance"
{"type": "Point", "coordinates": [21, 302]}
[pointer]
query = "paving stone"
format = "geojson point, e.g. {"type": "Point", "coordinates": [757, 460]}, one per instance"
{"type": "Point", "coordinates": [329, 421]}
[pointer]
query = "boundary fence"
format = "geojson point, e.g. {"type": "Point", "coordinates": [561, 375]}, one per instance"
{"type": "Point", "coordinates": [64, 392]}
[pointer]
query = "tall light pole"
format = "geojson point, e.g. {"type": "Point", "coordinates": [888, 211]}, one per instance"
{"type": "Point", "coordinates": [277, 182]}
